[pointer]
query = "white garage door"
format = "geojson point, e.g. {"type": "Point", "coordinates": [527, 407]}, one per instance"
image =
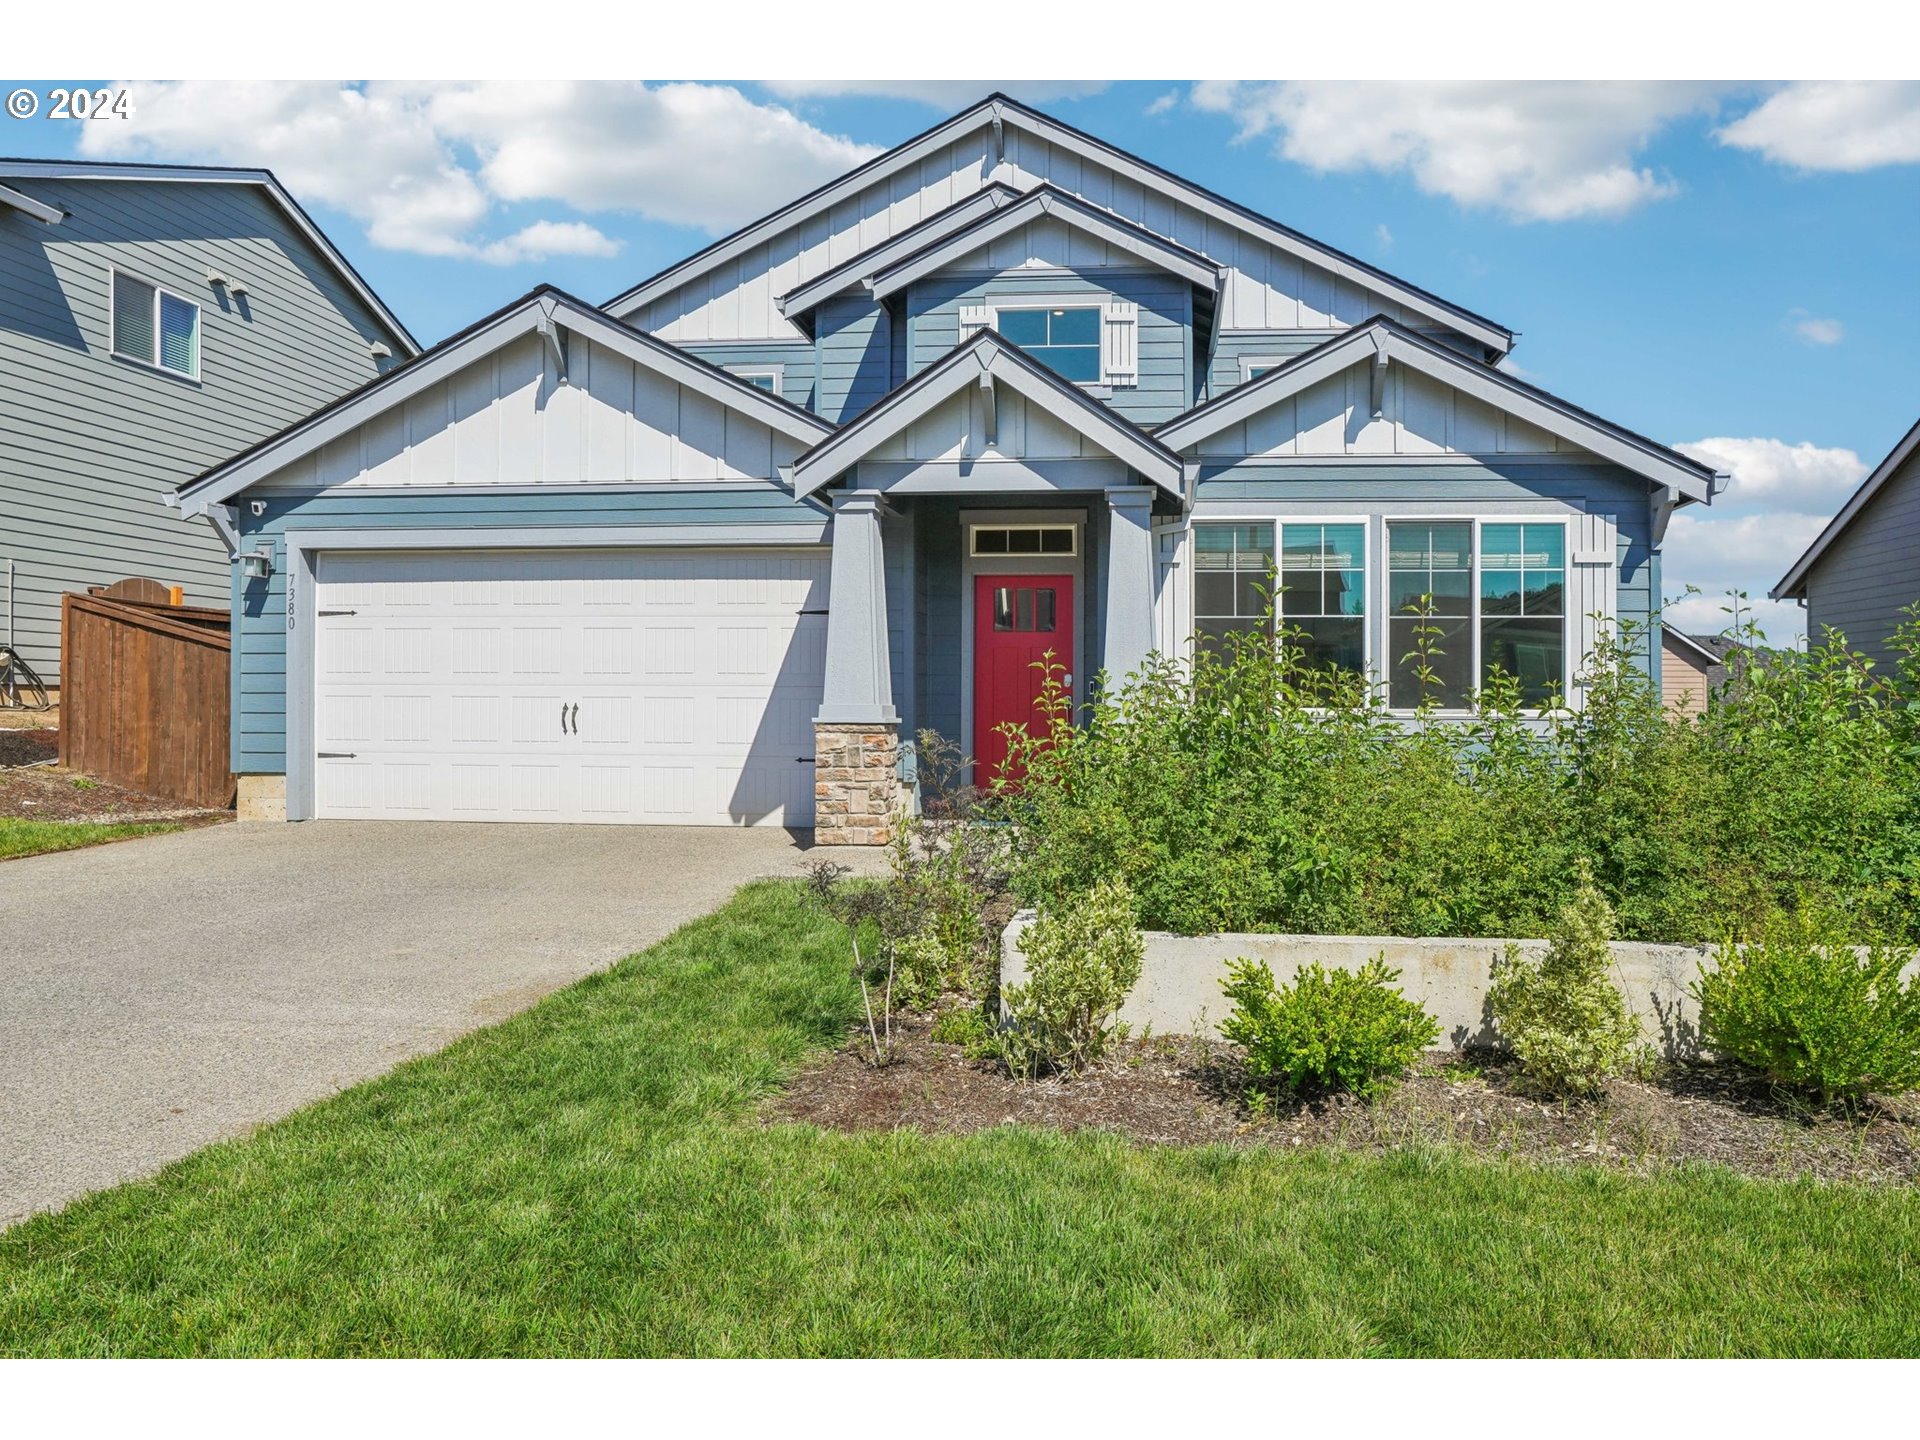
{"type": "Point", "coordinates": [619, 687]}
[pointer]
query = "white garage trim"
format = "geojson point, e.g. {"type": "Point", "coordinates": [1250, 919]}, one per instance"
{"type": "Point", "coordinates": [304, 547]}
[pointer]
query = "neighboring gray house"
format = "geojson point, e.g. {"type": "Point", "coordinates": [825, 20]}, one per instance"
{"type": "Point", "coordinates": [706, 553]}
{"type": "Point", "coordinates": [1864, 568]}
{"type": "Point", "coordinates": [153, 319]}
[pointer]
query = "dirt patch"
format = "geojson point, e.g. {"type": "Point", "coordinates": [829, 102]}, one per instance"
{"type": "Point", "coordinates": [51, 793]}
{"type": "Point", "coordinates": [1181, 1091]}
{"type": "Point", "coordinates": [28, 747]}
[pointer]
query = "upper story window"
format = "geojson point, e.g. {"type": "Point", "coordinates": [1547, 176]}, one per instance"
{"type": "Point", "coordinates": [1066, 339]}
{"type": "Point", "coordinates": [761, 377]}
{"type": "Point", "coordinates": [1253, 367]}
{"type": "Point", "coordinates": [155, 326]}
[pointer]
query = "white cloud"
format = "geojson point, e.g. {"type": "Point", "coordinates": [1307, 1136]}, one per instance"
{"type": "Point", "coordinates": [941, 94]}
{"type": "Point", "coordinates": [1164, 104]}
{"type": "Point", "coordinates": [1762, 471]}
{"type": "Point", "coordinates": [1781, 622]}
{"type": "Point", "coordinates": [1833, 125]}
{"type": "Point", "coordinates": [1383, 237]}
{"type": "Point", "coordinates": [1814, 329]}
{"type": "Point", "coordinates": [423, 165]}
{"type": "Point", "coordinates": [1535, 151]}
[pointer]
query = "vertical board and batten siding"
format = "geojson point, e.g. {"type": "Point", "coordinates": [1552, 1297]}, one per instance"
{"type": "Point", "coordinates": [1859, 586]}
{"type": "Point", "coordinates": [507, 420]}
{"type": "Point", "coordinates": [260, 637]}
{"type": "Point", "coordinates": [92, 443]}
{"type": "Point", "coordinates": [1165, 325]}
{"type": "Point", "coordinates": [955, 429]}
{"type": "Point", "coordinates": [1267, 289]}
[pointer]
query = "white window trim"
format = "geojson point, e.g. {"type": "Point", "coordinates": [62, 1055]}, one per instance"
{"type": "Point", "coordinates": [985, 314]}
{"type": "Point", "coordinates": [1247, 362]}
{"type": "Point", "coordinates": [777, 373]}
{"type": "Point", "coordinates": [114, 272]}
{"type": "Point", "coordinates": [1570, 637]}
{"type": "Point", "coordinates": [1379, 620]}
{"type": "Point", "coordinates": [974, 551]}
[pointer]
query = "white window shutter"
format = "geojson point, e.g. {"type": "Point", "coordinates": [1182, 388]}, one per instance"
{"type": "Point", "coordinates": [1120, 344]}
{"type": "Point", "coordinates": [974, 319]}
{"type": "Point", "coordinates": [1593, 596]}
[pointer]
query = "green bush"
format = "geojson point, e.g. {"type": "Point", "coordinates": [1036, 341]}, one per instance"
{"type": "Point", "coordinates": [1245, 790]}
{"type": "Point", "coordinates": [1813, 1013]}
{"type": "Point", "coordinates": [967, 1027]}
{"type": "Point", "coordinates": [1082, 960]}
{"type": "Point", "coordinates": [1562, 1014]}
{"type": "Point", "coordinates": [1329, 1029]}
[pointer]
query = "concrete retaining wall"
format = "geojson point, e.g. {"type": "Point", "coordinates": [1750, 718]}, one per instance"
{"type": "Point", "coordinates": [1179, 990]}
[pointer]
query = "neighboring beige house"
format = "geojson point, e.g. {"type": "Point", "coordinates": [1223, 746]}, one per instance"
{"type": "Point", "coordinates": [1690, 666]}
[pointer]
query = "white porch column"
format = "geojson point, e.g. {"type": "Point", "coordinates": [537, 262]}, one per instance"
{"type": "Point", "coordinates": [856, 735]}
{"type": "Point", "coordinates": [1129, 598]}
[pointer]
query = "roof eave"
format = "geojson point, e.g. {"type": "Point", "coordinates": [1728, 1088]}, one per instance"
{"type": "Point", "coordinates": [1793, 584]}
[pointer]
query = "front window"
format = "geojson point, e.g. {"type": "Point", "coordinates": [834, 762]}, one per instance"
{"type": "Point", "coordinates": [1450, 635]}
{"type": "Point", "coordinates": [155, 327]}
{"type": "Point", "coordinates": [1232, 581]}
{"type": "Point", "coordinates": [1523, 607]}
{"type": "Point", "coordinates": [1065, 339]}
{"type": "Point", "coordinates": [1323, 593]}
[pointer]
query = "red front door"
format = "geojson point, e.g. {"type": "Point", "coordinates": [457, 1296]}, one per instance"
{"type": "Point", "coordinates": [1017, 619]}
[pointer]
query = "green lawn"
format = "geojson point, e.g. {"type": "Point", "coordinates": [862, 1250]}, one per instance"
{"type": "Point", "coordinates": [588, 1179]}
{"type": "Point", "coordinates": [37, 837]}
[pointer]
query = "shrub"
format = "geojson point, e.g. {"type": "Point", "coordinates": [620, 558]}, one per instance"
{"type": "Point", "coordinates": [1562, 1015]}
{"type": "Point", "coordinates": [1814, 1014]}
{"type": "Point", "coordinates": [968, 1028]}
{"type": "Point", "coordinates": [1329, 1029]}
{"type": "Point", "coordinates": [1082, 960]}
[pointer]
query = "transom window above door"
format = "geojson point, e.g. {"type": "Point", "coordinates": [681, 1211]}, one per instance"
{"type": "Point", "coordinates": [1023, 539]}
{"type": "Point", "coordinates": [1066, 339]}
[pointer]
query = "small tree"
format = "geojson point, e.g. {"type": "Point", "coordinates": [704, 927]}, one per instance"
{"type": "Point", "coordinates": [1561, 1013]}
{"type": "Point", "coordinates": [1083, 959]}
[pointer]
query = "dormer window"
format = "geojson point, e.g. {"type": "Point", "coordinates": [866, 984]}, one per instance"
{"type": "Point", "coordinates": [1087, 339]}
{"type": "Point", "coordinates": [1065, 339]}
{"type": "Point", "coordinates": [155, 327]}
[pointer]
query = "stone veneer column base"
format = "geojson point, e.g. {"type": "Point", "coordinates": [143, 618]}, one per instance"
{"type": "Point", "coordinates": [856, 792]}
{"type": "Point", "coordinates": [261, 797]}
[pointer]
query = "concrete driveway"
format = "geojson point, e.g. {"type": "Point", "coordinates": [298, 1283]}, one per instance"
{"type": "Point", "coordinates": [159, 994]}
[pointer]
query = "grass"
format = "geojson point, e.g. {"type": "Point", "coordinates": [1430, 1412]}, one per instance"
{"type": "Point", "coordinates": [589, 1178]}
{"type": "Point", "coordinates": [38, 837]}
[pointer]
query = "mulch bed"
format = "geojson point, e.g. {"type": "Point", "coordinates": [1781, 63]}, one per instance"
{"type": "Point", "coordinates": [1183, 1091]}
{"type": "Point", "coordinates": [47, 792]}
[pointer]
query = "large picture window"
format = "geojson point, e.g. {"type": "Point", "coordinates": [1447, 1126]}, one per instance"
{"type": "Point", "coordinates": [1323, 593]}
{"type": "Point", "coordinates": [155, 327]}
{"type": "Point", "coordinates": [1066, 339]}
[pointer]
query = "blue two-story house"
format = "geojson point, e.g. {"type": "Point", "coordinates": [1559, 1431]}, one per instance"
{"type": "Point", "coordinates": [705, 553]}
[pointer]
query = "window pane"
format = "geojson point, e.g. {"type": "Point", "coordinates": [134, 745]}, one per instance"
{"type": "Point", "coordinates": [1044, 615]}
{"type": "Point", "coordinates": [1072, 362]}
{"type": "Point", "coordinates": [1451, 545]}
{"type": "Point", "coordinates": [1345, 546]}
{"type": "Point", "coordinates": [1331, 644]}
{"type": "Point", "coordinates": [1533, 651]}
{"type": "Point", "coordinates": [1023, 542]}
{"type": "Point", "coordinates": [989, 542]}
{"type": "Point", "coordinates": [1254, 372]}
{"type": "Point", "coordinates": [1300, 593]}
{"type": "Point", "coordinates": [1056, 542]}
{"type": "Point", "coordinates": [1074, 327]}
{"type": "Point", "coordinates": [1213, 592]}
{"type": "Point", "coordinates": [132, 318]}
{"type": "Point", "coordinates": [179, 335]}
{"type": "Point", "coordinates": [1499, 592]}
{"type": "Point", "coordinates": [1252, 591]}
{"type": "Point", "coordinates": [1448, 655]}
{"type": "Point", "coordinates": [1025, 328]}
{"type": "Point", "coordinates": [1211, 636]}
{"type": "Point", "coordinates": [1546, 593]}
{"type": "Point", "coordinates": [1346, 592]}
{"type": "Point", "coordinates": [1002, 608]}
{"type": "Point", "coordinates": [1023, 609]}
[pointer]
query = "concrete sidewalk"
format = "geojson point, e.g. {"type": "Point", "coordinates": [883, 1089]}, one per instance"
{"type": "Point", "coordinates": [159, 994]}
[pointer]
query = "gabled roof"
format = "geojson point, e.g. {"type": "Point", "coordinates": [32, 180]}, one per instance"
{"type": "Point", "coordinates": [997, 111]}
{"type": "Point", "coordinates": [1048, 201]}
{"type": "Point", "coordinates": [16, 169]}
{"type": "Point", "coordinates": [1699, 648]}
{"type": "Point", "coordinates": [1794, 585]}
{"type": "Point", "coordinates": [1381, 341]}
{"type": "Point", "coordinates": [544, 311]}
{"type": "Point", "coordinates": [984, 360]}
{"type": "Point", "coordinates": [858, 268]}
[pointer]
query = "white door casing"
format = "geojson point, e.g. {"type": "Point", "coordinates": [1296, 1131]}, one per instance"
{"type": "Point", "coordinates": [637, 686]}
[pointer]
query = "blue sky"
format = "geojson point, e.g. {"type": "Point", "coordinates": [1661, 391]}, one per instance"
{"type": "Point", "coordinates": [1727, 267]}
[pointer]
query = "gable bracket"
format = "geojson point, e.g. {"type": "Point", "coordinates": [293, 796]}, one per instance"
{"type": "Point", "coordinates": [1665, 500]}
{"type": "Point", "coordinates": [1377, 397]}
{"type": "Point", "coordinates": [989, 411]}
{"type": "Point", "coordinates": [555, 335]}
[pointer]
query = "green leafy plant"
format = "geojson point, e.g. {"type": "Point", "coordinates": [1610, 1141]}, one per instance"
{"type": "Point", "coordinates": [968, 1027]}
{"type": "Point", "coordinates": [1815, 1014]}
{"type": "Point", "coordinates": [1083, 958]}
{"type": "Point", "coordinates": [1329, 1029]}
{"type": "Point", "coordinates": [1561, 1013]}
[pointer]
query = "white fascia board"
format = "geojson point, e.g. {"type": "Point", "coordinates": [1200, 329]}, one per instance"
{"type": "Point", "coordinates": [1450, 368]}
{"type": "Point", "coordinates": [195, 175]}
{"type": "Point", "coordinates": [818, 202]}
{"type": "Point", "coordinates": [985, 354]}
{"type": "Point", "coordinates": [34, 209]}
{"type": "Point", "coordinates": [1189, 265]}
{"type": "Point", "coordinates": [1791, 583]}
{"type": "Point", "coordinates": [852, 272]}
{"type": "Point", "coordinates": [527, 318]}
{"type": "Point", "coordinates": [1683, 641]}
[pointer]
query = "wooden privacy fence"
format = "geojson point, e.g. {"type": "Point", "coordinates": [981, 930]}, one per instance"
{"type": "Point", "coordinates": [144, 698]}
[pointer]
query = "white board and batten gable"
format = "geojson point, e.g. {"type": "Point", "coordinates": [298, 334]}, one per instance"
{"type": "Point", "coordinates": [1274, 279]}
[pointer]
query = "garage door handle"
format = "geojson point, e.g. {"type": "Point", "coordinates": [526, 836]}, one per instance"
{"type": "Point", "coordinates": [563, 717]}
{"type": "Point", "coordinates": [338, 755]}
{"type": "Point", "coordinates": [576, 719]}
{"type": "Point", "coordinates": [338, 612]}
